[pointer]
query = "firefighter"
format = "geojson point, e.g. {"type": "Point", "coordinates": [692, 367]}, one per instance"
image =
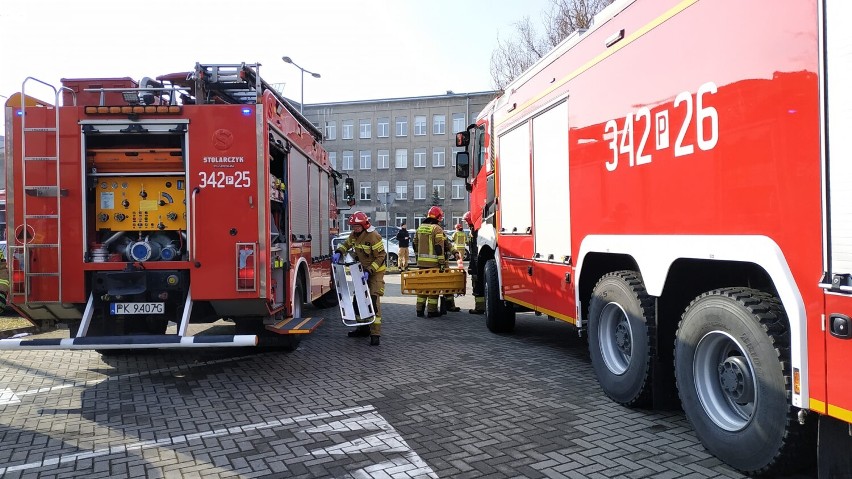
{"type": "Point", "coordinates": [370, 252]}
{"type": "Point", "coordinates": [431, 246]}
{"type": "Point", "coordinates": [476, 284]}
{"type": "Point", "coordinates": [459, 242]}
{"type": "Point", "coordinates": [449, 301]}
{"type": "Point", "coordinates": [4, 280]}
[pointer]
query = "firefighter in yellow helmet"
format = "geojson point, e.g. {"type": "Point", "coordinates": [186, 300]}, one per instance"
{"type": "Point", "coordinates": [370, 252]}
{"type": "Point", "coordinates": [431, 246]}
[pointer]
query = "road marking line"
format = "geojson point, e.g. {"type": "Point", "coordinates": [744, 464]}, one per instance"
{"type": "Point", "coordinates": [173, 441]}
{"type": "Point", "coordinates": [7, 396]}
{"type": "Point", "coordinates": [388, 440]}
{"type": "Point", "coordinates": [92, 382]}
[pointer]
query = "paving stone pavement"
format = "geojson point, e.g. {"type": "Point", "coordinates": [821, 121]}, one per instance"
{"type": "Point", "coordinates": [439, 398]}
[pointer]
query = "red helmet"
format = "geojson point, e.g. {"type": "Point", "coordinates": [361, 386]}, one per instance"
{"type": "Point", "coordinates": [459, 226]}
{"type": "Point", "coordinates": [435, 212]}
{"type": "Point", "coordinates": [466, 218]}
{"type": "Point", "coordinates": [359, 218]}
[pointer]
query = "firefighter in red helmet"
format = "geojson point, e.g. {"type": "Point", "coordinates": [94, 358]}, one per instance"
{"type": "Point", "coordinates": [475, 282]}
{"type": "Point", "coordinates": [432, 246]}
{"type": "Point", "coordinates": [370, 252]}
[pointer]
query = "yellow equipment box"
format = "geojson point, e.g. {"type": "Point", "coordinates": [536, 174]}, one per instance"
{"type": "Point", "coordinates": [433, 282]}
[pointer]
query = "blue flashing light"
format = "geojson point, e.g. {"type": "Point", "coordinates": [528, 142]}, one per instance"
{"type": "Point", "coordinates": [246, 111]}
{"type": "Point", "coordinates": [19, 112]}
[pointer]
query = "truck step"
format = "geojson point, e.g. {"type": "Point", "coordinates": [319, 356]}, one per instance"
{"type": "Point", "coordinates": [161, 341]}
{"type": "Point", "coordinates": [295, 325]}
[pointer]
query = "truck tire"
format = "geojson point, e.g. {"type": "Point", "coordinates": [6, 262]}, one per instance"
{"type": "Point", "coordinates": [621, 328]}
{"type": "Point", "coordinates": [733, 376]}
{"type": "Point", "coordinates": [499, 317]}
{"type": "Point", "coordinates": [327, 300]}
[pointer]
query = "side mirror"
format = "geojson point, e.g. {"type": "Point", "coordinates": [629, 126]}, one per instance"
{"type": "Point", "coordinates": [463, 138]}
{"type": "Point", "coordinates": [462, 164]}
{"type": "Point", "coordinates": [349, 191]}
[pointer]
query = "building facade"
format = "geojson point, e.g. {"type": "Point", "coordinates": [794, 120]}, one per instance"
{"type": "Point", "coordinates": [400, 152]}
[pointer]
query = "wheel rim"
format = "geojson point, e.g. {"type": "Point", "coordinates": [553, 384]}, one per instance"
{"type": "Point", "coordinates": [615, 338]}
{"type": "Point", "coordinates": [725, 381]}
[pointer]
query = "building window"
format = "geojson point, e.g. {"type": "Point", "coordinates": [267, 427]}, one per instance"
{"type": "Point", "coordinates": [457, 219]}
{"type": "Point", "coordinates": [455, 150]}
{"type": "Point", "coordinates": [439, 157]}
{"type": "Point", "coordinates": [331, 130]}
{"type": "Point", "coordinates": [419, 125]}
{"type": "Point", "coordinates": [402, 126]}
{"type": "Point", "coordinates": [364, 188]}
{"type": "Point", "coordinates": [418, 220]}
{"type": "Point", "coordinates": [344, 223]}
{"type": "Point", "coordinates": [402, 158]}
{"type": "Point", "coordinates": [439, 124]}
{"type": "Point", "coordinates": [383, 127]}
{"type": "Point", "coordinates": [383, 160]}
{"type": "Point", "coordinates": [400, 219]}
{"type": "Point", "coordinates": [419, 189]}
{"type": "Point", "coordinates": [458, 122]}
{"type": "Point", "coordinates": [366, 162]}
{"type": "Point", "coordinates": [332, 158]}
{"type": "Point", "coordinates": [348, 160]}
{"type": "Point", "coordinates": [382, 187]}
{"type": "Point", "coordinates": [439, 188]}
{"type": "Point", "coordinates": [458, 189]}
{"type": "Point", "coordinates": [420, 157]}
{"type": "Point", "coordinates": [365, 127]}
{"type": "Point", "coordinates": [348, 129]}
{"type": "Point", "coordinates": [402, 190]}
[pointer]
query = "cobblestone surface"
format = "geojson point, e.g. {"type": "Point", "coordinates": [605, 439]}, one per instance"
{"type": "Point", "coordinates": [439, 398]}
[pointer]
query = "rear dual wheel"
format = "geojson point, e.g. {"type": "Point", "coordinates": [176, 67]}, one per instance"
{"type": "Point", "coordinates": [733, 375]}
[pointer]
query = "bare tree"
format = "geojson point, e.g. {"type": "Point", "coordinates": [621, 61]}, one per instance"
{"type": "Point", "coordinates": [513, 56]}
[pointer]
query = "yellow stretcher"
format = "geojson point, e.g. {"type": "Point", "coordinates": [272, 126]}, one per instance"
{"type": "Point", "coordinates": [433, 282]}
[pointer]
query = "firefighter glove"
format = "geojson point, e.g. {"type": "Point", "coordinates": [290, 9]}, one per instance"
{"type": "Point", "coordinates": [365, 276]}
{"type": "Point", "coordinates": [335, 258]}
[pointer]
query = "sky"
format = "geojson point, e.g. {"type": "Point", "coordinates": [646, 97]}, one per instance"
{"type": "Point", "coordinates": [367, 49]}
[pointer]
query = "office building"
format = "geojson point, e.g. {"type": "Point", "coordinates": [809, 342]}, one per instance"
{"type": "Point", "coordinates": [400, 152]}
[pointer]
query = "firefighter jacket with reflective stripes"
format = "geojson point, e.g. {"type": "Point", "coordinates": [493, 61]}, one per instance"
{"type": "Point", "coordinates": [459, 239]}
{"type": "Point", "coordinates": [432, 245]}
{"type": "Point", "coordinates": [369, 249]}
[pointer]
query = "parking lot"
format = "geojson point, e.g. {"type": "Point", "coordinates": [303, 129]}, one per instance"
{"type": "Point", "coordinates": [439, 398]}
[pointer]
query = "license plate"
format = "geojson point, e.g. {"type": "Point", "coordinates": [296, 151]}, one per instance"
{"type": "Point", "coordinates": [137, 308]}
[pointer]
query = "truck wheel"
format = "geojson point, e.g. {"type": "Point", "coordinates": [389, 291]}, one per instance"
{"type": "Point", "coordinates": [732, 368]}
{"type": "Point", "coordinates": [298, 301]}
{"type": "Point", "coordinates": [621, 326]}
{"type": "Point", "coordinates": [499, 317]}
{"type": "Point", "coordinates": [327, 300]}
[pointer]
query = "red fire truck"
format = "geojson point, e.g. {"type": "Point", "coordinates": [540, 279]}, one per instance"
{"type": "Point", "coordinates": [673, 182]}
{"type": "Point", "coordinates": [188, 198]}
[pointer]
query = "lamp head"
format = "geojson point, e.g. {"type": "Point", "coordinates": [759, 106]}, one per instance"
{"type": "Point", "coordinates": [315, 75]}
{"type": "Point", "coordinates": [287, 59]}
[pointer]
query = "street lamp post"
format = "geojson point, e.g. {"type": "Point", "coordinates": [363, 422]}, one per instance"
{"type": "Point", "coordinates": [315, 75]}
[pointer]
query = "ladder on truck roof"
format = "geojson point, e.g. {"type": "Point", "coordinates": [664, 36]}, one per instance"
{"type": "Point", "coordinates": [40, 256]}
{"type": "Point", "coordinates": [240, 84]}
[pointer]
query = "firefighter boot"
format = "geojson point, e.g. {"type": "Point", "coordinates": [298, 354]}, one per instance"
{"type": "Point", "coordinates": [479, 305]}
{"type": "Point", "coordinates": [359, 332]}
{"type": "Point", "coordinates": [374, 340]}
{"type": "Point", "coordinates": [451, 304]}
